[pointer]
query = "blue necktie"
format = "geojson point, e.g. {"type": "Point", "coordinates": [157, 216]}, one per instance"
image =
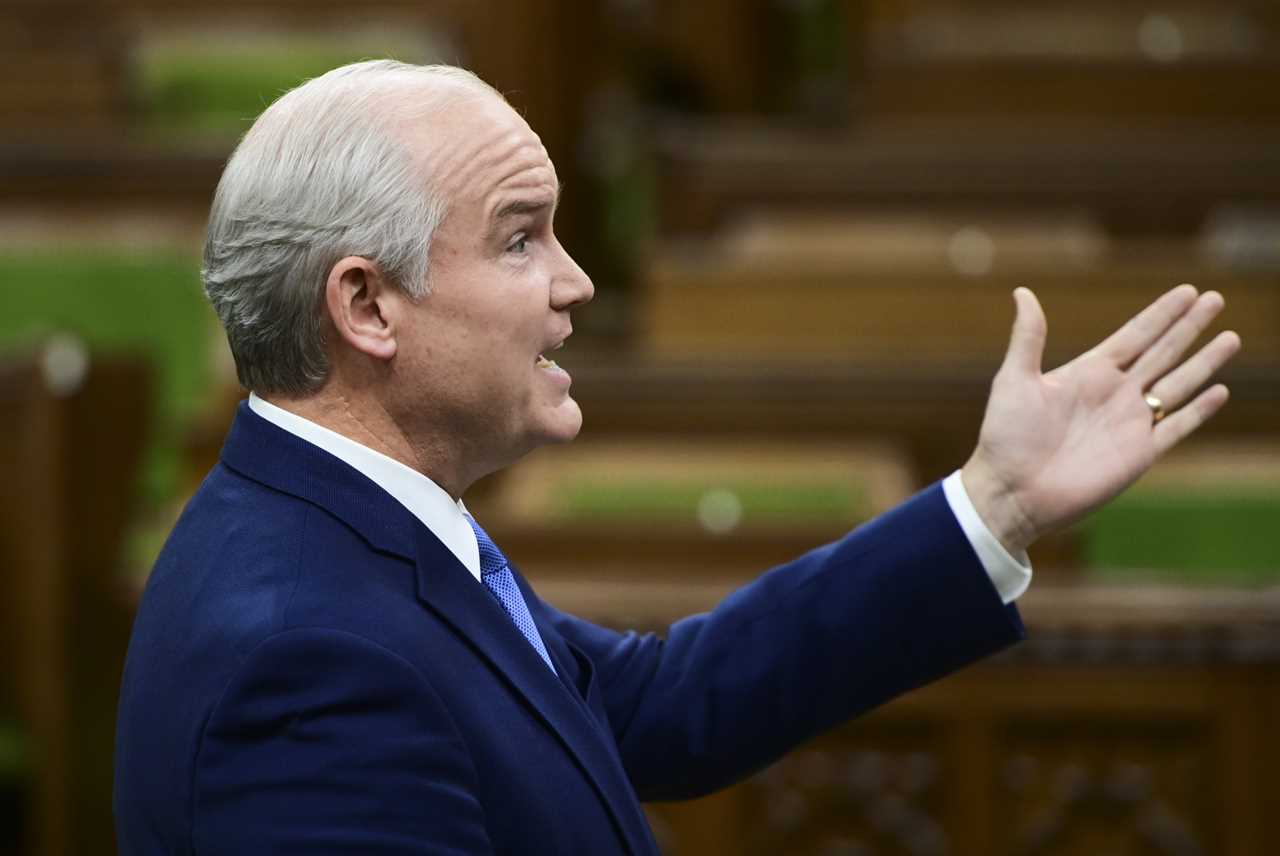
{"type": "Point", "coordinates": [496, 574]}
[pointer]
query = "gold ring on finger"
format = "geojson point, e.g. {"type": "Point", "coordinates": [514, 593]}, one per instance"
{"type": "Point", "coordinates": [1157, 408]}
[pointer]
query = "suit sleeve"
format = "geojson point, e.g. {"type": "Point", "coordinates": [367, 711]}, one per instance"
{"type": "Point", "coordinates": [325, 742]}
{"type": "Point", "coordinates": [895, 604]}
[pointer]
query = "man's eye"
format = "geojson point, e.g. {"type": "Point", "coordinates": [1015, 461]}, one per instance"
{"type": "Point", "coordinates": [519, 244]}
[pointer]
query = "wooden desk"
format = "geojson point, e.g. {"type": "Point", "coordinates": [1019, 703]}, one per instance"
{"type": "Point", "coordinates": [1134, 179]}
{"type": "Point", "coordinates": [777, 309]}
{"type": "Point", "coordinates": [934, 411]}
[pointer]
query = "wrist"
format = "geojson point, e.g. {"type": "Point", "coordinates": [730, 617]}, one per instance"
{"type": "Point", "coordinates": [998, 506]}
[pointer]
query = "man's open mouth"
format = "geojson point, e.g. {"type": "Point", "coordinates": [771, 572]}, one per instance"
{"type": "Point", "coordinates": [543, 363]}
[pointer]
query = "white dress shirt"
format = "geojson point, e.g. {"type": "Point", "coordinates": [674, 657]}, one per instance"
{"type": "Point", "coordinates": [447, 519]}
{"type": "Point", "coordinates": [425, 499]}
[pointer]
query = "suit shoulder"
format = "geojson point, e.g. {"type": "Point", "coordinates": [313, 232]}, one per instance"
{"type": "Point", "coordinates": [224, 577]}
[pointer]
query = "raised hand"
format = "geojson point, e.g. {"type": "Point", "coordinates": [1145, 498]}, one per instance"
{"type": "Point", "coordinates": [1055, 446]}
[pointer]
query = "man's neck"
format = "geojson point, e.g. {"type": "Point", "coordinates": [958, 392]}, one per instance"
{"type": "Point", "coordinates": [370, 425]}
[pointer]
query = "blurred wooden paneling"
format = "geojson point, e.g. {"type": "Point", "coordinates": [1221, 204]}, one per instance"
{"type": "Point", "coordinates": [33, 530]}
{"type": "Point", "coordinates": [1095, 62]}
{"type": "Point", "coordinates": [70, 454]}
{"type": "Point", "coordinates": [70, 129]}
{"type": "Point", "coordinates": [1147, 116]}
{"type": "Point", "coordinates": [719, 43]}
{"type": "Point", "coordinates": [107, 423]}
{"type": "Point", "coordinates": [923, 310]}
{"type": "Point", "coordinates": [66, 72]}
{"type": "Point", "coordinates": [1131, 179]}
{"type": "Point", "coordinates": [1225, 92]}
{"type": "Point", "coordinates": [1134, 721]}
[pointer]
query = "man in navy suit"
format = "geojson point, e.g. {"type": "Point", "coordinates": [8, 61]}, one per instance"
{"type": "Point", "coordinates": [331, 656]}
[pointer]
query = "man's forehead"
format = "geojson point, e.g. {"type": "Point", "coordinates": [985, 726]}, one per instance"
{"type": "Point", "coordinates": [478, 146]}
{"type": "Point", "coordinates": [525, 186]}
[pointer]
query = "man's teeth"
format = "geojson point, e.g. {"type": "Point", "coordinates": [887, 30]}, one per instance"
{"type": "Point", "coordinates": [544, 363]}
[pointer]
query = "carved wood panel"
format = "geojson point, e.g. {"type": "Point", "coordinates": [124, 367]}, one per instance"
{"type": "Point", "coordinates": [1098, 786]}
{"type": "Point", "coordinates": [855, 794]}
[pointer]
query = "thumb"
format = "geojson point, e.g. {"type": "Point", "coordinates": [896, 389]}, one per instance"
{"type": "Point", "coordinates": [1026, 344]}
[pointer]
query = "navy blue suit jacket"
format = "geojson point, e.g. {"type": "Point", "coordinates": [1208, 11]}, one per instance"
{"type": "Point", "coordinates": [312, 671]}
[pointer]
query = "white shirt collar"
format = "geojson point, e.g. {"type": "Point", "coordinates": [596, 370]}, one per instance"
{"type": "Point", "coordinates": [425, 499]}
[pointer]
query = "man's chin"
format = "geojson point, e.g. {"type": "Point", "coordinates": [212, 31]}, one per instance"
{"type": "Point", "coordinates": [562, 424]}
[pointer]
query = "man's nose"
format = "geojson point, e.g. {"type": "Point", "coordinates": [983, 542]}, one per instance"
{"type": "Point", "coordinates": [571, 286]}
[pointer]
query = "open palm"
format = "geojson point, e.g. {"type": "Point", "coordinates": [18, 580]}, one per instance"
{"type": "Point", "coordinates": [1054, 446]}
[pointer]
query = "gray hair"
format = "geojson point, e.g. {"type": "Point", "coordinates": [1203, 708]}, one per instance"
{"type": "Point", "coordinates": [324, 173]}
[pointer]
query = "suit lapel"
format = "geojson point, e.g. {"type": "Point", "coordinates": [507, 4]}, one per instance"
{"type": "Point", "coordinates": [268, 454]}
{"type": "Point", "coordinates": [449, 590]}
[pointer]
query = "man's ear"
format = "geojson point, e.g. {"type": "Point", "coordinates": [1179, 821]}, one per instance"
{"type": "Point", "coordinates": [363, 307]}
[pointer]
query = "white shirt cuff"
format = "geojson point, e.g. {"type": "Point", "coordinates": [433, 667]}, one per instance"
{"type": "Point", "coordinates": [1009, 574]}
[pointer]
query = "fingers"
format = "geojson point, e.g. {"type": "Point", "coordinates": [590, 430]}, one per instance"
{"type": "Point", "coordinates": [1173, 428]}
{"type": "Point", "coordinates": [1178, 385]}
{"type": "Point", "coordinates": [1140, 332]}
{"type": "Point", "coordinates": [1169, 348]}
{"type": "Point", "coordinates": [1026, 343]}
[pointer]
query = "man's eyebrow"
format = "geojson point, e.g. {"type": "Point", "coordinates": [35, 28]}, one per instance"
{"type": "Point", "coordinates": [517, 207]}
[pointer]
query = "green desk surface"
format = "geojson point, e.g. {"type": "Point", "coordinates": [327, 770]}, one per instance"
{"type": "Point", "coordinates": [1216, 534]}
